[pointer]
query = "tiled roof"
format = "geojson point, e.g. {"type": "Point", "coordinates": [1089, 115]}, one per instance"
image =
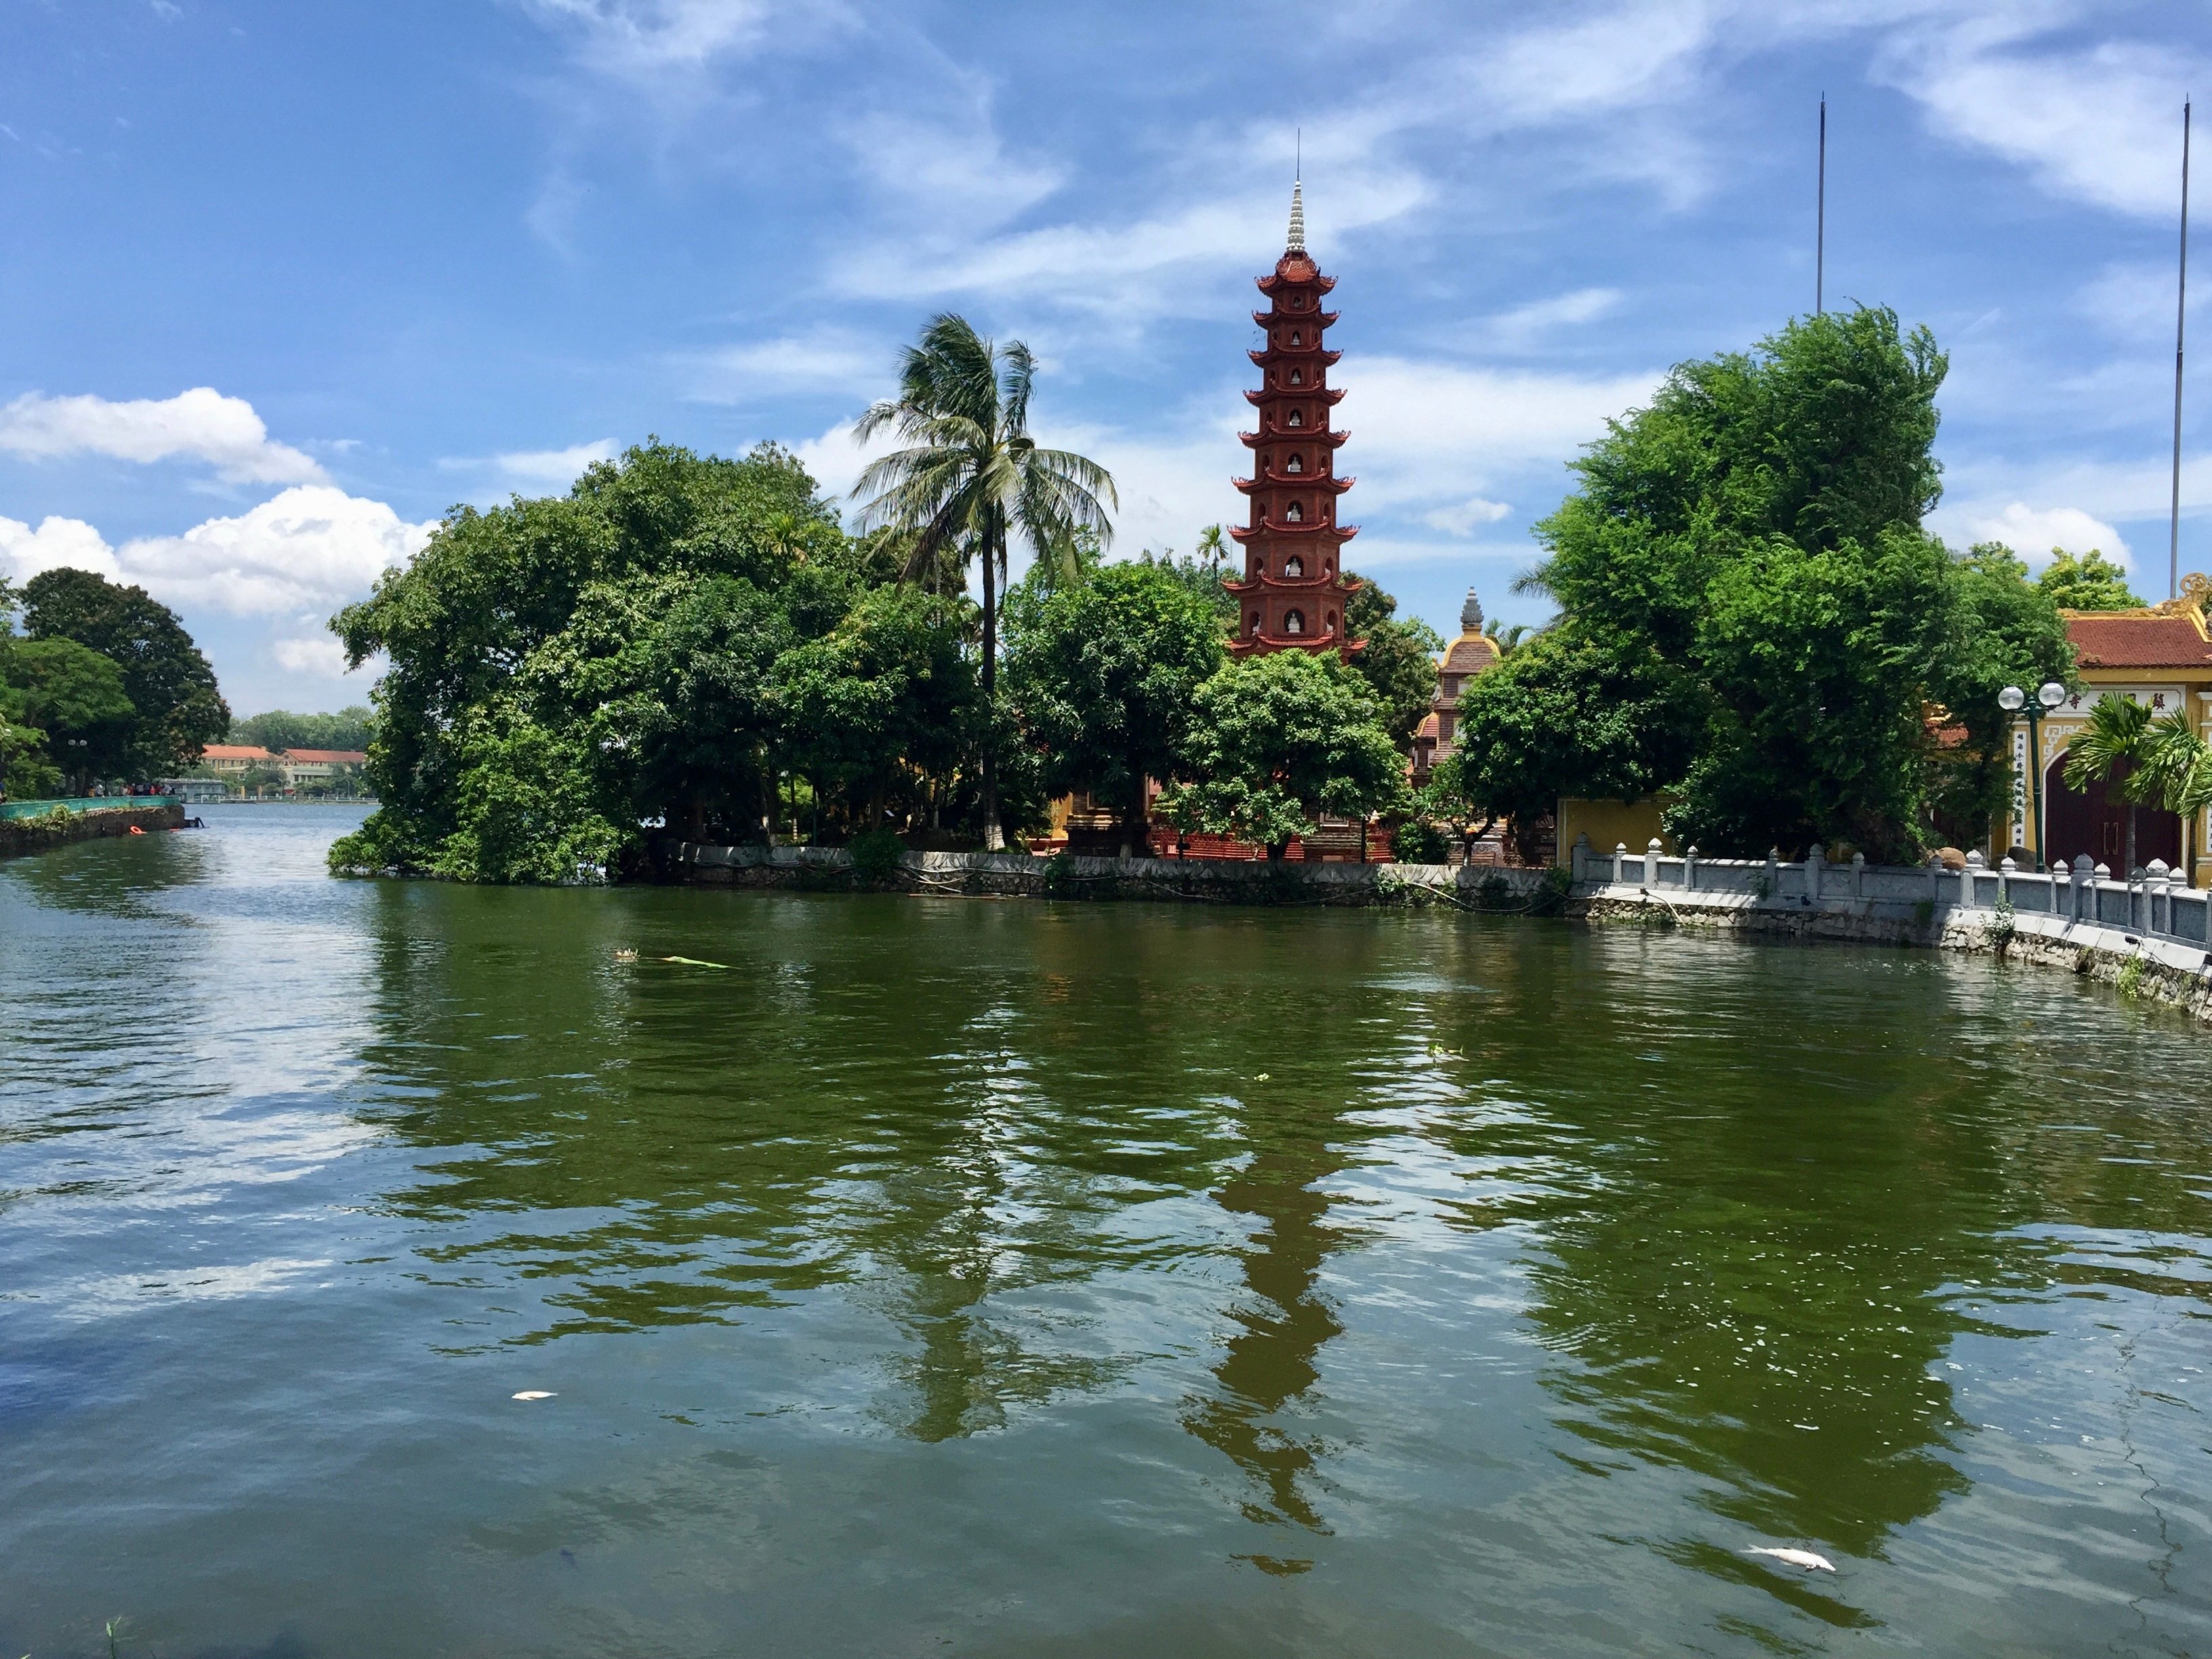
{"type": "Point", "coordinates": [236, 751]}
{"type": "Point", "coordinates": [2138, 640]}
{"type": "Point", "coordinates": [1428, 728]}
{"type": "Point", "coordinates": [335, 757]}
{"type": "Point", "coordinates": [1470, 653]}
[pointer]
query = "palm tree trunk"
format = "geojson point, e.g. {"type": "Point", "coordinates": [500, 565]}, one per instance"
{"type": "Point", "coordinates": [2131, 839]}
{"type": "Point", "coordinates": [993, 841]}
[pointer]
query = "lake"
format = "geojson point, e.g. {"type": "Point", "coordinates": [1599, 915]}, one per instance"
{"type": "Point", "coordinates": [1019, 1279]}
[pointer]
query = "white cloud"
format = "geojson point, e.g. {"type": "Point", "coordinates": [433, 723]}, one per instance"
{"type": "Point", "coordinates": [1462, 519]}
{"type": "Point", "coordinates": [312, 654]}
{"type": "Point", "coordinates": [2032, 533]}
{"type": "Point", "coordinates": [826, 359]}
{"type": "Point", "coordinates": [539, 469]}
{"type": "Point", "coordinates": [636, 35]}
{"type": "Point", "coordinates": [201, 424]}
{"type": "Point", "coordinates": [310, 547]}
{"type": "Point", "coordinates": [57, 543]}
{"type": "Point", "coordinates": [1522, 326]}
{"type": "Point", "coordinates": [2100, 125]}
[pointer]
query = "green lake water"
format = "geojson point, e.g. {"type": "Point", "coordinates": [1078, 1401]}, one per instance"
{"type": "Point", "coordinates": [1015, 1278]}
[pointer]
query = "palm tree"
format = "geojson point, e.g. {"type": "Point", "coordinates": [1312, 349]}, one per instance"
{"type": "Point", "coordinates": [2113, 747]}
{"type": "Point", "coordinates": [1509, 640]}
{"type": "Point", "coordinates": [2177, 772]}
{"type": "Point", "coordinates": [1212, 548]}
{"type": "Point", "coordinates": [973, 475]}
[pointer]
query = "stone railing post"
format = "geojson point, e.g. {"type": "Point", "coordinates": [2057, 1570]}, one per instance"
{"type": "Point", "coordinates": [2155, 889]}
{"type": "Point", "coordinates": [1935, 879]}
{"type": "Point", "coordinates": [1651, 863]}
{"type": "Point", "coordinates": [1578, 858]}
{"type": "Point", "coordinates": [1813, 865]}
{"type": "Point", "coordinates": [2085, 881]}
{"type": "Point", "coordinates": [1969, 893]}
{"type": "Point", "coordinates": [1620, 862]}
{"type": "Point", "coordinates": [1858, 875]}
{"type": "Point", "coordinates": [2006, 868]}
{"type": "Point", "coordinates": [1690, 870]}
{"type": "Point", "coordinates": [1774, 873]}
{"type": "Point", "coordinates": [2098, 879]}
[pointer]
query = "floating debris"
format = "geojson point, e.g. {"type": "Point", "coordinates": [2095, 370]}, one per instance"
{"type": "Point", "coordinates": [694, 961]}
{"type": "Point", "coordinates": [1804, 1558]}
{"type": "Point", "coordinates": [534, 1393]}
{"type": "Point", "coordinates": [625, 956]}
{"type": "Point", "coordinates": [1263, 1078]}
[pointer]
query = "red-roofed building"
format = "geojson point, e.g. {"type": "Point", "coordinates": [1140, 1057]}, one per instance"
{"type": "Point", "coordinates": [2160, 656]}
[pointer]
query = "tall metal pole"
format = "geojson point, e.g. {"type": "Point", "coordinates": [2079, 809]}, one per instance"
{"type": "Point", "coordinates": [1820, 217]}
{"type": "Point", "coordinates": [2180, 322]}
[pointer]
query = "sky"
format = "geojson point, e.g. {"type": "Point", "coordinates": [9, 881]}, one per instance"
{"type": "Point", "coordinates": [282, 283]}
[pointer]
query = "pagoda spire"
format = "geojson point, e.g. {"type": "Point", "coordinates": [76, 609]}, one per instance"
{"type": "Point", "coordinates": [1294, 595]}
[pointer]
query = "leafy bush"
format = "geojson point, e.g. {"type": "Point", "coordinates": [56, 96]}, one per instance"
{"type": "Point", "coordinates": [876, 854]}
{"type": "Point", "coordinates": [1418, 842]}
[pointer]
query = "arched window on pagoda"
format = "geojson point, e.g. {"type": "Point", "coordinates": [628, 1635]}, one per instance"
{"type": "Point", "coordinates": [1294, 465]}
{"type": "Point", "coordinates": [1294, 566]}
{"type": "Point", "coordinates": [1294, 621]}
{"type": "Point", "coordinates": [1297, 419]}
{"type": "Point", "coordinates": [1332, 622]}
{"type": "Point", "coordinates": [1294, 513]}
{"type": "Point", "coordinates": [1298, 377]}
{"type": "Point", "coordinates": [1252, 623]}
{"type": "Point", "coordinates": [1296, 338]}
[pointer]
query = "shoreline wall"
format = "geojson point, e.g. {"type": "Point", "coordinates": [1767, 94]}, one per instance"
{"type": "Point", "coordinates": [19, 838]}
{"type": "Point", "coordinates": [2177, 972]}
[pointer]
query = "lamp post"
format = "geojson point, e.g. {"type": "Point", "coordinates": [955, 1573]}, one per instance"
{"type": "Point", "coordinates": [2013, 699]}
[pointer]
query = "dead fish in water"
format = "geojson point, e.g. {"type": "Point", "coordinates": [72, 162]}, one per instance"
{"type": "Point", "coordinates": [533, 1394]}
{"type": "Point", "coordinates": [1804, 1558]}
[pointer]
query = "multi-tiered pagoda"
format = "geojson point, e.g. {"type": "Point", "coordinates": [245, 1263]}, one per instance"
{"type": "Point", "coordinates": [1294, 594]}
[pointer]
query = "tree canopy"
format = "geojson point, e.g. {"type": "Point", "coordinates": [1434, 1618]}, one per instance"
{"type": "Point", "coordinates": [1752, 618]}
{"type": "Point", "coordinates": [1278, 741]}
{"type": "Point", "coordinates": [178, 709]}
{"type": "Point", "coordinates": [280, 728]}
{"type": "Point", "coordinates": [1101, 678]}
{"type": "Point", "coordinates": [2090, 582]}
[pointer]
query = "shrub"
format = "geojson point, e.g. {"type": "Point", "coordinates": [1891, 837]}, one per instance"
{"type": "Point", "coordinates": [1418, 842]}
{"type": "Point", "coordinates": [876, 854]}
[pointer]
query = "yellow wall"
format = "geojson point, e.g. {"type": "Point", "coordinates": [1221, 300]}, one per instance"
{"type": "Point", "coordinates": [1608, 824]}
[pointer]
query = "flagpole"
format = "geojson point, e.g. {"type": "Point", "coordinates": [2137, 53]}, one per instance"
{"type": "Point", "coordinates": [1820, 218]}
{"type": "Point", "coordinates": [2180, 324]}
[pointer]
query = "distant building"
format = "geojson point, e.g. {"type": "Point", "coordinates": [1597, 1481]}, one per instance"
{"type": "Point", "coordinates": [1472, 653]}
{"type": "Point", "coordinates": [2161, 657]}
{"type": "Point", "coordinates": [320, 765]}
{"type": "Point", "coordinates": [234, 760]}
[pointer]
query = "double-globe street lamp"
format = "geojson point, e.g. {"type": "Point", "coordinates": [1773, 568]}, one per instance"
{"type": "Point", "coordinates": [2012, 700]}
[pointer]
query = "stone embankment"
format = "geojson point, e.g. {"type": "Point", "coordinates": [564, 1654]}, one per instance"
{"type": "Point", "coordinates": [1018, 875]}
{"type": "Point", "coordinates": [39, 835]}
{"type": "Point", "coordinates": [2146, 937]}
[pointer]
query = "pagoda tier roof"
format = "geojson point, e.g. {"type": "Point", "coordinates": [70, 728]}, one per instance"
{"type": "Point", "coordinates": [1302, 584]}
{"type": "Point", "coordinates": [1328, 394]}
{"type": "Point", "coordinates": [1268, 480]}
{"type": "Point", "coordinates": [1301, 354]}
{"type": "Point", "coordinates": [1266, 527]}
{"type": "Point", "coordinates": [1242, 645]}
{"type": "Point", "coordinates": [1293, 271]}
{"type": "Point", "coordinates": [1334, 438]}
{"type": "Point", "coordinates": [1318, 318]}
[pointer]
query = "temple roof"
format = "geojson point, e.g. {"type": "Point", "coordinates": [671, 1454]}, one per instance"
{"type": "Point", "coordinates": [2163, 638]}
{"type": "Point", "coordinates": [1470, 653]}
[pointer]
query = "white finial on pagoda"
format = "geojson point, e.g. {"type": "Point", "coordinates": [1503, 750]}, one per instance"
{"type": "Point", "coordinates": [1298, 218]}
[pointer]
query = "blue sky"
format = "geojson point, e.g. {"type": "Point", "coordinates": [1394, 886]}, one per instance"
{"type": "Point", "coordinates": [283, 281]}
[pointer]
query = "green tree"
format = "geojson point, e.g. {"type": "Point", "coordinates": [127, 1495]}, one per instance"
{"type": "Point", "coordinates": [75, 696]}
{"type": "Point", "coordinates": [1279, 740]}
{"type": "Point", "coordinates": [2177, 774]}
{"type": "Point", "coordinates": [2113, 749]}
{"type": "Point", "coordinates": [557, 666]}
{"type": "Point", "coordinates": [178, 711]}
{"type": "Point", "coordinates": [280, 728]}
{"type": "Point", "coordinates": [973, 476]}
{"type": "Point", "coordinates": [1400, 661]}
{"type": "Point", "coordinates": [1750, 545]}
{"type": "Point", "coordinates": [1565, 715]}
{"type": "Point", "coordinates": [1102, 678]}
{"type": "Point", "coordinates": [2090, 582]}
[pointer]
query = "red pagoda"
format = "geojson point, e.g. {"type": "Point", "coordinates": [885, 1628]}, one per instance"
{"type": "Point", "coordinates": [1294, 594]}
